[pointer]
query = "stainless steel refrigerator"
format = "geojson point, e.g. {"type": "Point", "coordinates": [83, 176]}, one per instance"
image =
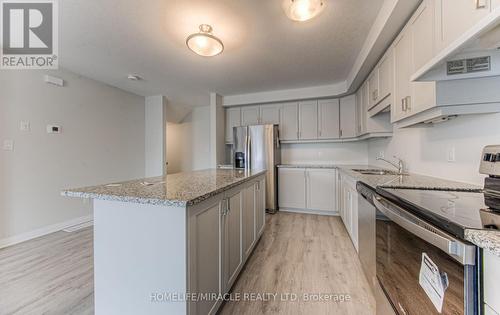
{"type": "Point", "coordinates": [258, 147]}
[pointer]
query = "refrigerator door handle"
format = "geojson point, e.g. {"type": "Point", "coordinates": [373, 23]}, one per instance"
{"type": "Point", "coordinates": [278, 139]}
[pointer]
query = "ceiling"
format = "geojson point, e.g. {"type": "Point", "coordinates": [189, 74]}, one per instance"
{"type": "Point", "coordinates": [108, 39]}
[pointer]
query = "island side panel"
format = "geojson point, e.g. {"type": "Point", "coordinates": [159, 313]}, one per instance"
{"type": "Point", "coordinates": [139, 255]}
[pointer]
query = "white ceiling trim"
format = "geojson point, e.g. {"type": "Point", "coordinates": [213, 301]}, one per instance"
{"type": "Point", "coordinates": [285, 95]}
{"type": "Point", "coordinates": [390, 20]}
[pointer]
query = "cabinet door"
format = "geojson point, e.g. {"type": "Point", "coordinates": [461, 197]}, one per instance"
{"type": "Point", "coordinates": [250, 115]}
{"type": "Point", "coordinates": [289, 127]}
{"type": "Point", "coordinates": [270, 114]}
{"type": "Point", "coordinates": [260, 206]}
{"type": "Point", "coordinates": [205, 253]}
{"type": "Point", "coordinates": [373, 88]}
{"type": "Point", "coordinates": [454, 17]}
{"type": "Point", "coordinates": [402, 72]}
{"type": "Point", "coordinates": [308, 120]}
{"type": "Point", "coordinates": [292, 188]}
{"type": "Point", "coordinates": [348, 117]}
{"type": "Point", "coordinates": [423, 94]}
{"type": "Point", "coordinates": [353, 194]}
{"type": "Point", "coordinates": [248, 222]}
{"type": "Point", "coordinates": [232, 240]}
{"type": "Point", "coordinates": [386, 74]}
{"type": "Point", "coordinates": [233, 119]}
{"type": "Point", "coordinates": [329, 120]}
{"type": "Point", "coordinates": [321, 189]}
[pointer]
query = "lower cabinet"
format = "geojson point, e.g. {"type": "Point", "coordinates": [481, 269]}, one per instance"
{"type": "Point", "coordinates": [307, 190]}
{"type": "Point", "coordinates": [248, 225]}
{"type": "Point", "coordinates": [349, 206]}
{"type": "Point", "coordinates": [222, 233]}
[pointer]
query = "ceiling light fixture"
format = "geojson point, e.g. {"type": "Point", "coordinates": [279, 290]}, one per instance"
{"type": "Point", "coordinates": [303, 10]}
{"type": "Point", "coordinates": [205, 43]}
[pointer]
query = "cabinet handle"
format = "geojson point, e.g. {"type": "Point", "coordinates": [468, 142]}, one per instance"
{"type": "Point", "coordinates": [402, 104]}
{"type": "Point", "coordinates": [480, 4]}
{"type": "Point", "coordinates": [341, 132]}
{"type": "Point", "coordinates": [408, 103]}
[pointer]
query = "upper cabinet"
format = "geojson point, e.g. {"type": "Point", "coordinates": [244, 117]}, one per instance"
{"type": "Point", "coordinates": [348, 117]}
{"type": "Point", "coordinates": [454, 17]}
{"type": "Point", "coordinates": [373, 88]}
{"type": "Point", "coordinates": [289, 127]}
{"type": "Point", "coordinates": [233, 119]}
{"type": "Point", "coordinates": [328, 119]}
{"type": "Point", "coordinates": [308, 120]}
{"type": "Point", "coordinates": [250, 115]}
{"type": "Point", "coordinates": [379, 85]}
{"type": "Point", "coordinates": [385, 74]}
{"type": "Point", "coordinates": [270, 114]}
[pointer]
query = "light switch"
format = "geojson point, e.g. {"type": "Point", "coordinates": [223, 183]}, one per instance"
{"type": "Point", "coordinates": [451, 154]}
{"type": "Point", "coordinates": [25, 126]}
{"type": "Point", "coordinates": [8, 145]}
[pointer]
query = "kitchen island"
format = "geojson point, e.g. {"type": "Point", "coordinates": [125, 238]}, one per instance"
{"type": "Point", "coordinates": [173, 244]}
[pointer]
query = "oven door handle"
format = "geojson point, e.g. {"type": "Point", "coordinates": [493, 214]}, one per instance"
{"type": "Point", "coordinates": [458, 250]}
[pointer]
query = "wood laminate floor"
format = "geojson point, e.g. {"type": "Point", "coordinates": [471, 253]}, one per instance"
{"type": "Point", "coordinates": [303, 254]}
{"type": "Point", "coordinates": [298, 253]}
{"type": "Point", "coordinates": [48, 275]}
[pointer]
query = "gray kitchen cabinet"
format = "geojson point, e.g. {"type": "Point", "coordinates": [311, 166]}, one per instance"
{"type": "Point", "coordinates": [270, 114]}
{"type": "Point", "coordinates": [289, 126]}
{"type": "Point", "coordinates": [292, 188]}
{"type": "Point", "coordinates": [320, 189]}
{"type": "Point", "coordinates": [491, 265]}
{"type": "Point", "coordinates": [250, 115]}
{"type": "Point", "coordinates": [248, 223]}
{"type": "Point", "coordinates": [233, 119]}
{"type": "Point", "coordinates": [231, 237]}
{"type": "Point", "coordinates": [260, 206]}
{"type": "Point", "coordinates": [308, 120]}
{"type": "Point", "coordinates": [455, 17]}
{"type": "Point", "coordinates": [385, 73]}
{"type": "Point", "coordinates": [328, 119]}
{"type": "Point", "coordinates": [348, 117]}
{"type": "Point", "coordinates": [402, 89]}
{"type": "Point", "coordinates": [373, 88]}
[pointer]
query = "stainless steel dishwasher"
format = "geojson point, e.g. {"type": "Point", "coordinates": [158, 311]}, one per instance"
{"type": "Point", "coordinates": [366, 234]}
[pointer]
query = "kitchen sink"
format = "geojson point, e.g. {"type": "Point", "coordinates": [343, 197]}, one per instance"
{"type": "Point", "coordinates": [376, 172]}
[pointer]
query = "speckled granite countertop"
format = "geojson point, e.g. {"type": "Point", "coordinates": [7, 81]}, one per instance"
{"type": "Point", "coordinates": [330, 166]}
{"type": "Point", "coordinates": [182, 189]}
{"type": "Point", "coordinates": [409, 181]}
{"type": "Point", "coordinates": [489, 240]}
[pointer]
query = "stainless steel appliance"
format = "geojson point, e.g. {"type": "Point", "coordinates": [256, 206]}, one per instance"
{"type": "Point", "coordinates": [424, 230]}
{"type": "Point", "coordinates": [366, 234]}
{"type": "Point", "coordinates": [258, 147]}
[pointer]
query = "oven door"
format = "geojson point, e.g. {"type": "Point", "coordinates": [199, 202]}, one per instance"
{"type": "Point", "coordinates": [408, 251]}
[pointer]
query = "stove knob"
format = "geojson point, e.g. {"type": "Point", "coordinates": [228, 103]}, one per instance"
{"type": "Point", "coordinates": [497, 157]}
{"type": "Point", "coordinates": [487, 157]}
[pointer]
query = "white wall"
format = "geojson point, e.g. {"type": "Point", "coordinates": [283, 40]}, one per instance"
{"type": "Point", "coordinates": [328, 153]}
{"type": "Point", "coordinates": [102, 140]}
{"type": "Point", "coordinates": [425, 150]}
{"type": "Point", "coordinates": [188, 143]}
{"type": "Point", "coordinates": [155, 135]}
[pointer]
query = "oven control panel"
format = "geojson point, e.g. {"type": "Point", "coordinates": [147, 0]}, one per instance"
{"type": "Point", "coordinates": [490, 160]}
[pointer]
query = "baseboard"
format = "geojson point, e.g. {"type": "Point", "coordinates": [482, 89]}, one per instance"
{"type": "Point", "coordinates": [9, 241]}
{"type": "Point", "coordinates": [307, 211]}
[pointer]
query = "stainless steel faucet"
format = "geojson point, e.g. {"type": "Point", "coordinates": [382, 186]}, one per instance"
{"type": "Point", "coordinates": [400, 166]}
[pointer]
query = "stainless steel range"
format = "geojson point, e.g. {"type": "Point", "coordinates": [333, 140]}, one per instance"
{"type": "Point", "coordinates": [424, 265]}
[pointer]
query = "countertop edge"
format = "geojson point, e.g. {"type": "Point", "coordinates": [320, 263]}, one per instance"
{"type": "Point", "coordinates": [487, 240]}
{"type": "Point", "coordinates": [155, 201]}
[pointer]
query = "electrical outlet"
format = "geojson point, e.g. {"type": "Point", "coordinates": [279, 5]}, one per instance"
{"type": "Point", "coordinates": [451, 154]}
{"type": "Point", "coordinates": [25, 126]}
{"type": "Point", "coordinates": [8, 145]}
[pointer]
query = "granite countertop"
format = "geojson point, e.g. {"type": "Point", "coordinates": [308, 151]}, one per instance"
{"type": "Point", "coordinates": [407, 181]}
{"type": "Point", "coordinates": [305, 165]}
{"type": "Point", "coordinates": [489, 240]}
{"type": "Point", "coordinates": [180, 190]}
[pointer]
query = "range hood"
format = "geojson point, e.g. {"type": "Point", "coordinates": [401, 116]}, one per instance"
{"type": "Point", "coordinates": [475, 54]}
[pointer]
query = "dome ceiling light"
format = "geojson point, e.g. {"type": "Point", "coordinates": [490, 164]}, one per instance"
{"type": "Point", "coordinates": [303, 10]}
{"type": "Point", "coordinates": [205, 43]}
